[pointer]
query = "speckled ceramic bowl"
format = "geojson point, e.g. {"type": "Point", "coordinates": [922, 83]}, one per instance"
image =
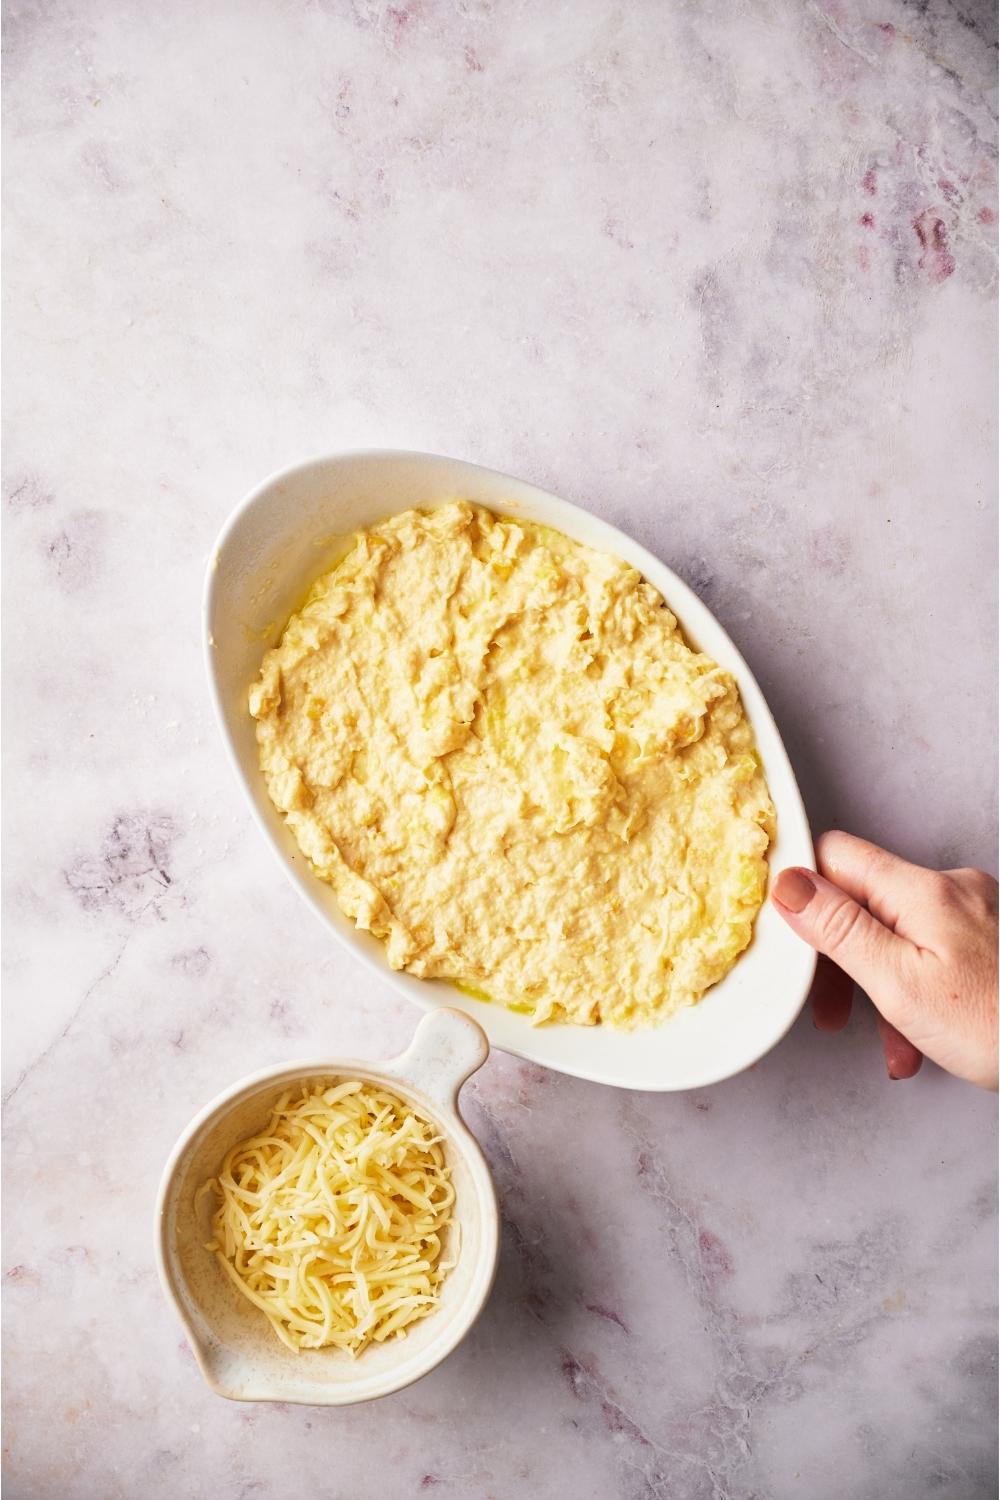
{"type": "Point", "coordinates": [236, 1349]}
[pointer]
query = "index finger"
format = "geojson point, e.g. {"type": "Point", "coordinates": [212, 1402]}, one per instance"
{"type": "Point", "coordinates": [831, 995]}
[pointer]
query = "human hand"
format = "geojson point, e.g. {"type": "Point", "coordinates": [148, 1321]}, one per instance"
{"type": "Point", "coordinates": [922, 944]}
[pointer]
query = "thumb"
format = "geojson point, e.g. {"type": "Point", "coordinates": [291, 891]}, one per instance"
{"type": "Point", "coordinates": [835, 924]}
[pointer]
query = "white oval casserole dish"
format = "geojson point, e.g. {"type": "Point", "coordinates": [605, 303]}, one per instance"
{"type": "Point", "coordinates": [295, 525]}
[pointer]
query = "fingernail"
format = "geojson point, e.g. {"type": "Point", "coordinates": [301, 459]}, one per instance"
{"type": "Point", "coordinates": [794, 890]}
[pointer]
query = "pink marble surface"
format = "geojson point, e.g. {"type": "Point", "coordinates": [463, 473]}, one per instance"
{"type": "Point", "coordinates": [723, 273]}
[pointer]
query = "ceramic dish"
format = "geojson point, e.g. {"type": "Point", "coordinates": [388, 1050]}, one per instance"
{"type": "Point", "coordinates": [236, 1349]}
{"type": "Point", "coordinates": [298, 523]}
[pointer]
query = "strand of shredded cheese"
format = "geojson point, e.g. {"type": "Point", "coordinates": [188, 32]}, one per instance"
{"type": "Point", "coordinates": [332, 1220]}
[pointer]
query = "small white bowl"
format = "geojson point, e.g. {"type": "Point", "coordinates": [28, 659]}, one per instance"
{"type": "Point", "coordinates": [237, 1351]}
{"type": "Point", "coordinates": [295, 525]}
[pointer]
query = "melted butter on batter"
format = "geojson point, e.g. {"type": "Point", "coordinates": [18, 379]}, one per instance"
{"type": "Point", "coordinates": [497, 748]}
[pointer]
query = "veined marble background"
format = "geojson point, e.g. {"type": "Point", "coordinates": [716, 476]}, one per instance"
{"type": "Point", "coordinates": [723, 272]}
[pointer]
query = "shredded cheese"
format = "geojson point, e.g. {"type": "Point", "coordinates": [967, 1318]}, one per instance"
{"type": "Point", "coordinates": [332, 1220]}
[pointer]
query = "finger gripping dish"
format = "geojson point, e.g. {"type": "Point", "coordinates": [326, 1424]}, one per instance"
{"type": "Point", "coordinates": [496, 746]}
{"type": "Point", "coordinates": [332, 1220]}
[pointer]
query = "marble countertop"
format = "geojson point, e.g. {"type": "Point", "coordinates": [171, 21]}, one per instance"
{"type": "Point", "coordinates": [724, 273]}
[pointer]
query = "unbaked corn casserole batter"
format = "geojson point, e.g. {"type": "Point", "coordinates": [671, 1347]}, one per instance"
{"type": "Point", "coordinates": [497, 748]}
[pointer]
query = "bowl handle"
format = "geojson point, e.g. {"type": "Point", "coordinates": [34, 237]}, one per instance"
{"type": "Point", "coordinates": [447, 1048]}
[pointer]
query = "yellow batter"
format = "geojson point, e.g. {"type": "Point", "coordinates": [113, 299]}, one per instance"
{"type": "Point", "coordinates": [497, 748]}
